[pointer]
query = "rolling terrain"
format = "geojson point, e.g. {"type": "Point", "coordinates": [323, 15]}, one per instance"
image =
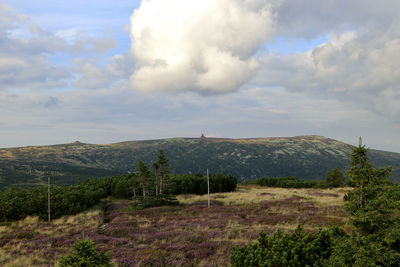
{"type": "Point", "coordinates": [189, 234]}
{"type": "Point", "coordinates": [307, 157]}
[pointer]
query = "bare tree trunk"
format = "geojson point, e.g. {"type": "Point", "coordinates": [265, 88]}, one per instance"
{"type": "Point", "coordinates": [208, 187]}
{"type": "Point", "coordinates": [156, 182]}
{"type": "Point", "coordinates": [143, 189]}
{"type": "Point", "coordinates": [48, 197]}
{"type": "Point", "coordinates": [161, 179]}
{"type": "Point", "coordinates": [161, 185]}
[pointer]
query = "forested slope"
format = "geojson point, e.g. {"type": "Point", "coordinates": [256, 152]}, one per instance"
{"type": "Point", "coordinates": [307, 157]}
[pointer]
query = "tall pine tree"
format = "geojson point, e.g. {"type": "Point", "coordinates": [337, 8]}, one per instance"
{"type": "Point", "coordinates": [374, 206]}
{"type": "Point", "coordinates": [364, 178]}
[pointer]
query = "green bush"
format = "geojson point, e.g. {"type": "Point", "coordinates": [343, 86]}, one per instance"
{"type": "Point", "coordinates": [335, 178]}
{"type": "Point", "coordinates": [84, 254]}
{"type": "Point", "coordinates": [300, 248]}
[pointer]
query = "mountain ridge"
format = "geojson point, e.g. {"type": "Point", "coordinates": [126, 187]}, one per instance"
{"type": "Point", "coordinates": [308, 157]}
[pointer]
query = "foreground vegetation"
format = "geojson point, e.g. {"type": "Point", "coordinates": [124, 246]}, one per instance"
{"type": "Point", "coordinates": [18, 203]}
{"type": "Point", "coordinates": [374, 206]}
{"type": "Point", "coordinates": [183, 235]}
{"type": "Point", "coordinates": [316, 224]}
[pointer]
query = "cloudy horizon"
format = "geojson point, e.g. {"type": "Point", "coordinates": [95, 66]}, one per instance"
{"type": "Point", "coordinates": [134, 70]}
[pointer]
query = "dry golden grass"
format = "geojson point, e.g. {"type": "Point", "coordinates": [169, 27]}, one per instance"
{"type": "Point", "coordinates": [254, 194]}
{"type": "Point", "coordinates": [84, 218]}
{"type": "Point", "coordinates": [57, 228]}
{"type": "Point", "coordinates": [28, 222]}
{"type": "Point", "coordinates": [24, 261]}
{"type": "Point", "coordinates": [143, 223]}
{"type": "Point", "coordinates": [90, 219]}
{"type": "Point", "coordinates": [188, 227]}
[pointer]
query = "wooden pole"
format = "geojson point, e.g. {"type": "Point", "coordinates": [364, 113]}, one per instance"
{"type": "Point", "coordinates": [208, 187]}
{"type": "Point", "coordinates": [360, 142]}
{"type": "Point", "coordinates": [48, 197]}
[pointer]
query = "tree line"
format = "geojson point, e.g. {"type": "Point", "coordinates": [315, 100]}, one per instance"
{"type": "Point", "coordinates": [197, 183]}
{"type": "Point", "coordinates": [334, 178]}
{"type": "Point", "coordinates": [146, 187]}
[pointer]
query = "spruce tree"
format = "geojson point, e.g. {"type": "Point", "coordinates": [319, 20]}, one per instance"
{"type": "Point", "coordinates": [374, 208]}
{"type": "Point", "coordinates": [163, 164]}
{"type": "Point", "coordinates": [84, 254]}
{"type": "Point", "coordinates": [365, 179]}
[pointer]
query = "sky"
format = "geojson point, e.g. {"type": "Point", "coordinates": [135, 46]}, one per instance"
{"type": "Point", "coordinates": [111, 71]}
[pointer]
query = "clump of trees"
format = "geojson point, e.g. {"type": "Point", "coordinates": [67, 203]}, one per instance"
{"type": "Point", "coordinates": [147, 187]}
{"type": "Point", "coordinates": [374, 207]}
{"type": "Point", "coordinates": [334, 178]}
{"type": "Point", "coordinates": [153, 188]}
{"type": "Point", "coordinates": [157, 187]}
{"type": "Point", "coordinates": [197, 183]}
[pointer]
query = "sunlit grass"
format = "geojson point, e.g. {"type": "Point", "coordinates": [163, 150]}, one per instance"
{"type": "Point", "coordinates": [28, 260]}
{"type": "Point", "coordinates": [255, 194]}
{"type": "Point", "coordinates": [184, 235]}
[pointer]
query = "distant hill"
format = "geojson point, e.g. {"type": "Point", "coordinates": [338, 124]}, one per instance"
{"type": "Point", "coordinates": [307, 157]}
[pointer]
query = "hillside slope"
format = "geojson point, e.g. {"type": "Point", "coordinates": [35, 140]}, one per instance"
{"type": "Point", "coordinates": [308, 157]}
{"type": "Point", "coordinates": [189, 234]}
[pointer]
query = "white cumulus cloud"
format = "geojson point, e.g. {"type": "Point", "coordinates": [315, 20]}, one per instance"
{"type": "Point", "coordinates": [205, 46]}
{"type": "Point", "coordinates": [363, 69]}
{"type": "Point", "coordinates": [358, 64]}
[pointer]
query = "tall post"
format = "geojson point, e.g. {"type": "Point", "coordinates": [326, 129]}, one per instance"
{"type": "Point", "coordinates": [48, 196]}
{"type": "Point", "coordinates": [360, 142]}
{"type": "Point", "coordinates": [208, 187]}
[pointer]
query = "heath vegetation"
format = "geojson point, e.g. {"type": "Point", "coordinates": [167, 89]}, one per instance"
{"type": "Point", "coordinates": [153, 218]}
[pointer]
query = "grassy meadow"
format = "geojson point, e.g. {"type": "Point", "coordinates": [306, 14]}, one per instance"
{"type": "Point", "coordinates": [189, 234]}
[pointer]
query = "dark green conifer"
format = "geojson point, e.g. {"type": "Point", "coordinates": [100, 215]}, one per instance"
{"type": "Point", "coordinates": [335, 178]}
{"type": "Point", "coordinates": [84, 254]}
